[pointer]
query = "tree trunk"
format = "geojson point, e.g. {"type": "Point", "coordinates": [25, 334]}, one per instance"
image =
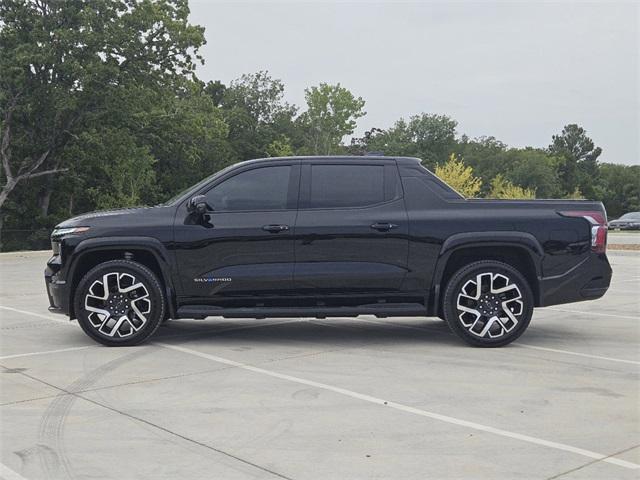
{"type": "Point", "coordinates": [6, 190]}
{"type": "Point", "coordinates": [44, 197]}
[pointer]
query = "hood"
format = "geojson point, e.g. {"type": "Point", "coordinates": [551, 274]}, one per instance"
{"type": "Point", "coordinates": [91, 218]}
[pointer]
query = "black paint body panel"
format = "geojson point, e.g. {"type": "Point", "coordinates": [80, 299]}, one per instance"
{"type": "Point", "coordinates": [328, 260]}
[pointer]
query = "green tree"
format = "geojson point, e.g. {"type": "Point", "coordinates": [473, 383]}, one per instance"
{"type": "Point", "coordinates": [580, 166]}
{"type": "Point", "coordinates": [331, 114]}
{"type": "Point", "coordinates": [66, 67]}
{"type": "Point", "coordinates": [575, 195]}
{"type": "Point", "coordinates": [119, 160]}
{"type": "Point", "coordinates": [427, 136]}
{"type": "Point", "coordinates": [486, 155]}
{"type": "Point", "coordinates": [280, 147]}
{"type": "Point", "coordinates": [619, 188]}
{"type": "Point", "coordinates": [533, 169]}
{"type": "Point", "coordinates": [503, 188]}
{"type": "Point", "coordinates": [257, 115]}
{"type": "Point", "coordinates": [187, 134]}
{"type": "Point", "coordinates": [459, 176]}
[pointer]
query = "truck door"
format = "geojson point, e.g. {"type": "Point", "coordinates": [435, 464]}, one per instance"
{"type": "Point", "coordinates": [351, 230]}
{"type": "Point", "coordinates": [245, 245]}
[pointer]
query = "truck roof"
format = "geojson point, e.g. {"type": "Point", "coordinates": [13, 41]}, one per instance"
{"type": "Point", "coordinates": [411, 160]}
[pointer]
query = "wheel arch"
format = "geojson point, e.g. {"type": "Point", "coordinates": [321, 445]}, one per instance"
{"type": "Point", "coordinates": [521, 250]}
{"type": "Point", "coordinates": [147, 251]}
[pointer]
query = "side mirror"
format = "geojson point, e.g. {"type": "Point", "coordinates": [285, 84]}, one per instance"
{"type": "Point", "coordinates": [198, 204]}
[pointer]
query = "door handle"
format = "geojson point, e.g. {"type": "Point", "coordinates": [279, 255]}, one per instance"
{"type": "Point", "coordinates": [383, 227]}
{"type": "Point", "coordinates": [275, 228]}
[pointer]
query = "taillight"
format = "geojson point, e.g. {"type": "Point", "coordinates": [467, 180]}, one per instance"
{"type": "Point", "coordinates": [598, 221]}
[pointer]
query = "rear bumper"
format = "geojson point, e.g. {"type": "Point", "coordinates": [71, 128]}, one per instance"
{"type": "Point", "coordinates": [57, 289]}
{"type": "Point", "coordinates": [588, 280]}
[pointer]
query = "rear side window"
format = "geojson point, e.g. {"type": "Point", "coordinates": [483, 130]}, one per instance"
{"type": "Point", "coordinates": [334, 186]}
{"type": "Point", "coordinates": [264, 188]}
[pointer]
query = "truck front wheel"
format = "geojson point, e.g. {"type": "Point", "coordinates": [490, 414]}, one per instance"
{"type": "Point", "coordinates": [488, 303]}
{"type": "Point", "coordinates": [119, 303]}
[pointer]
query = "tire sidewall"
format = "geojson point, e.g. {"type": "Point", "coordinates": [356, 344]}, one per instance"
{"type": "Point", "coordinates": [471, 271]}
{"type": "Point", "coordinates": [142, 274]}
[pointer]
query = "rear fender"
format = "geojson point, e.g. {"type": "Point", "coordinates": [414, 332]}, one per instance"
{"type": "Point", "coordinates": [527, 243]}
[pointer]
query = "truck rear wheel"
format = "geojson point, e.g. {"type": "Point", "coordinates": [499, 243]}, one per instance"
{"type": "Point", "coordinates": [119, 303]}
{"type": "Point", "coordinates": [488, 303]}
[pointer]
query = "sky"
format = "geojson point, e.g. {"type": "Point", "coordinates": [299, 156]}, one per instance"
{"type": "Point", "coordinates": [518, 71]}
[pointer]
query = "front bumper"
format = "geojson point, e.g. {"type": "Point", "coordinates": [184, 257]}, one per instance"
{"type": "Point", "coordinates": [57, 288]}
{"type": "Point", "coordinates": [588, 280]}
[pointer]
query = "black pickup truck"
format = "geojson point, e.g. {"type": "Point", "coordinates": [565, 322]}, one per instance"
{"type": "Point", "coordinates": [327, 236]}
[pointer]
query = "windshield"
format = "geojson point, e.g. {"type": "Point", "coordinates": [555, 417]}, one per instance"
{"type": "Point", "coordinates": [195, 187]}
{"type": "Point", "coordinates": [630, 216]}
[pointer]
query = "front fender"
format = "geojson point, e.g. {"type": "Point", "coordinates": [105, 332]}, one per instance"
{"type": "Point", "coordinates": [148, 244]}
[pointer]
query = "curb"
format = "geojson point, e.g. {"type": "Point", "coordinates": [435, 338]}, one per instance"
{"type": "Point", "coordinates": [623, 253]}
{"type": "Point", "coordinates": [25, 253]}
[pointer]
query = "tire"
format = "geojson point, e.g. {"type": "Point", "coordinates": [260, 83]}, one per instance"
{"type": "Point", "coordinates": [129, 312]}
{"type": "Point", "coordinates": [500, 313]}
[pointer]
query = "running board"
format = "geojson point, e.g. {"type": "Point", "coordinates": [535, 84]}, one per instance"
{"type": "Point", "coordinates": [379, 310]}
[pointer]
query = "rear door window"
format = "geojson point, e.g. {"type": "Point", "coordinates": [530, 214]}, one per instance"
{"type": "Point", "coordinates": [339, 186]}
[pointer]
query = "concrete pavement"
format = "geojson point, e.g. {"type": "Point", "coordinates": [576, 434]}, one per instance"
{"type": "Point", "coordinates": [318, 399]}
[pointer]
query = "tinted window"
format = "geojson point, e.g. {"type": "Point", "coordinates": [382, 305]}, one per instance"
{"type": "Point", "coordinates": [346, 185]}
{"type": "Point", "coordinates": [258, 189]}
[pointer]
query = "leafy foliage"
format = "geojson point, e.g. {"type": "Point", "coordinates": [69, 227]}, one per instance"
{"type": "Point", "coordinates": [331, 114]}
{"type": "Point", "coordinates": [619, 188]}
{"type": "Point", "coordinates": [426, 136]}
{"type": "Point", "coordinates": [81, 83]}
{"type": "Point", "coordinates": [280, 147]}
{"type": "Point", "coordinates": [459, 176]}
{"type": "Point", "coordinates": [535, 170]}
{"type": "Point", "coordinates": [100, 108]}
{"type": "Point", "coordinates": [580, 167]}
{"type": "Point", "coordinates": [257, 115]}
{"type": "Point", "coordinates": [575, 195]}
{"type": "Point", "coordinates": [503, 188]}
{"type": "Point", "coordinates": [63, 64]}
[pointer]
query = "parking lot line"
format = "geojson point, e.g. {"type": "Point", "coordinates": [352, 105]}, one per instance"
{"type": "Point", "coordinates": [39, 315]}
{"type": "Point", "coordinates": [590, 312]}
{"type": "Point", "coordinates": [66, 393]}
{"type": "Point", "coordinates": [407, 408]}
{"type": "Point", "coordinates": [634, 279]}
{"type": "Point", "coordinates": [567, 352]}
{"type": "Point", "coordinates": [31, 354]}
{"type": "Point", "coordinates": [175, 335]}
{"type": "Point", "coordinates": [525, 345]}
{"type": "Point", "coordinates": [555, 350]}
{"type": "Point", "coordinates": [7, 474]}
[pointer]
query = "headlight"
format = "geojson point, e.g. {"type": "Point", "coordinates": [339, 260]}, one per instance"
{"type": "Point", "coordinates": [59, 232]}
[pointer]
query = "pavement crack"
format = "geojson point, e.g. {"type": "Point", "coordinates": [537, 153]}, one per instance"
{"type": "Point", "coordinates": [60, 462]}
{"type": "Point", "coordinates": [562, 474]}
{"type": "Point", "coordinates": [168, 377]}
{"type": "Point", "coordinates": [52, 424]}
